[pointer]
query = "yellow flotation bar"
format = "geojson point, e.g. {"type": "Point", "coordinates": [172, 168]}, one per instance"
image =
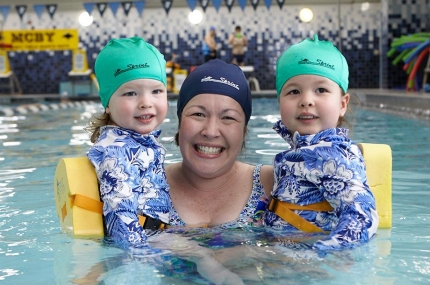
{"type": "Point", "coordinates": [379, 171]}
{"type": "Point", "coordinates": [77, 197]}
{"type": "Point", "coordinates": [79, 208]}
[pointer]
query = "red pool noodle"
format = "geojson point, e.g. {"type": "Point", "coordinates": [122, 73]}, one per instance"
{"type": "Point", "coordinates": [414, 70]}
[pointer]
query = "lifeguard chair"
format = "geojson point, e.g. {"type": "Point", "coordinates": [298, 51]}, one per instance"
{"type": "Point", "coordinates": [79, 69]}
{"type": "Point", "coordinates": [6, 73]}
{"type": "Point", "coordinates": [248, 70]}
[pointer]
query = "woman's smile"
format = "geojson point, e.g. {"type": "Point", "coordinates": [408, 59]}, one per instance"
{"type": "Point", "coordinates": [208, 149]}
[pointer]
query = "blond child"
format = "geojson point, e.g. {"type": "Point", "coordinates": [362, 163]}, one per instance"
{"type": "Point", "coordinates": [126, 154]}
{"type": "Point", "coordinates": [320, 181]}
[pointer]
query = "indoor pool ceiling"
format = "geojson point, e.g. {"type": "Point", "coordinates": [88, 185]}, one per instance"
{"type": "Point", "coordinates": [176, 3]}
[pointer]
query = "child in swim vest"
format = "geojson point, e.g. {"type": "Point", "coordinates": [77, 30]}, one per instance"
{"type": "Point", "coordinates": [126, 154]}
{"type": "Point", "coordinates": [320, 181]}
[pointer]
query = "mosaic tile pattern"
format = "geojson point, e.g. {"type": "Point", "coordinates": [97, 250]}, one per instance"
{"type": "Point", "coordinates": [269, 31]}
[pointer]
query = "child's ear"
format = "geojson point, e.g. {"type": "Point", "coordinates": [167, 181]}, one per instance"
{"type": "Point", "coordinates": [107, 110]}
{"type": "Point", "coordinates": [344, 104]}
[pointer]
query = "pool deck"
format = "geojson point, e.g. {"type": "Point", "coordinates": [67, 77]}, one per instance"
{"type": "Point", "coordinates": [411, 104]}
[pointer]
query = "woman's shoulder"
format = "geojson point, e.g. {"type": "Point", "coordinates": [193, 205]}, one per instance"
{"type": "Point", "coordinates": [264, 170]}
{"type": "Point", "coordinates": [265, 174]}
{"type": "Point", "coordinates": [173, 166]}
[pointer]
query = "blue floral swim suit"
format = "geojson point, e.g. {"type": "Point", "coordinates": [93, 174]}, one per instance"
{"type": "Point", "coordinates": [132, 181]}
{"type": "Point", "coordinates": [325, 166]}
{"type": "Point", "coordinates": [251, 215]}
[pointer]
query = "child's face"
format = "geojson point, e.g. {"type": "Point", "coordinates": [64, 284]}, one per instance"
{"type": "Point", "coordinates": [311, 103]}
{"type": "Point", "coordinates": [139, 105]}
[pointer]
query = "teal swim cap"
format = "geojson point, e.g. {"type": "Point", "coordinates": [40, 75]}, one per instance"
{"type": "Point", "coordinates": [312, 57]}
{"type": "Point", "coordinates": [126, 59]}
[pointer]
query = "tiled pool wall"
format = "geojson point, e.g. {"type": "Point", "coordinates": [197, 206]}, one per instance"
{"type": "Point", "coordinates": [365, 38]}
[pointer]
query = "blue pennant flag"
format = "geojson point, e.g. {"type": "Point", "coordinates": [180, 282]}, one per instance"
{"type": "Point", "coordinates": [114, 7]}
{"type": "Point", "coordinates": [21, 9]}
{"type": "Point", "coordinates": [192, 4]}
{"type": "Point", "coordinates": [51, 8]}
{"type": "Point", "coordinates": [140, 5]}
{"type": "Point", "coordinates": [229, 4]}
{"type": "Point", "coordinates": [4, 11]}
{"type": "Point", "coordinates": [39, 10]}
{"type": "Point", "coordinates": [204, 4]}
{"type": "Point", "coordinates": [268, 3]}
{"type": "Point", "coordinates": [167, 4]}
{"type": "Point", "coordinates": [126, 6]}
{"type": "Point", "coordinates": [217, 4]}
{"type": "Point", "coordinates": [102, 8]}
{"type": "Point", "coordinates": [280, 3]}
{"type": "Point", "coordinates": [254, 4]}
{"type": "Point", "coordinates": [89, 8]}
{"type": "Point", "coordinates": [242, 4]}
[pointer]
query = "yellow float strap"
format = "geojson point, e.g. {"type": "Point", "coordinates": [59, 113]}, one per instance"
{"type": "Point", "coordinates": [285, 211]}
{"type": "Point", "coordinates": [89, 204]}
{"type": "Point", "coordinates": [95, 206]}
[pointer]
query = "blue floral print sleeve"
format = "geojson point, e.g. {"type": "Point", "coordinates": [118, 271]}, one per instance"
{"type": "Point", "coordinates": [325, 166]}
{"type": "Point", "coordinates": [132, 182]}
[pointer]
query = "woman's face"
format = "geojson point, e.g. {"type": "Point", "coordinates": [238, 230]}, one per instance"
{"type": "Point", "coordinates": [211, 134]}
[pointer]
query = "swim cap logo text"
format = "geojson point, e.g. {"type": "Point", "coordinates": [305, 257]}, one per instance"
{"type": "Point", "coordinates": [131, 67]}
{"type": "Point", "coordinates": [221, 80]}
{"type": "Point", "coordinates": [318, 62]}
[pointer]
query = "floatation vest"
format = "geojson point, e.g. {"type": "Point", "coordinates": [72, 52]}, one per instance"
{"type": "Point", "coordinates": [77, 199]}
{"type": "Point", "coordinates": [378, 161]}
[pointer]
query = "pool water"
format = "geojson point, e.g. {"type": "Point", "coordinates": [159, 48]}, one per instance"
{"type": "Point", "coordinates": [33, 250]}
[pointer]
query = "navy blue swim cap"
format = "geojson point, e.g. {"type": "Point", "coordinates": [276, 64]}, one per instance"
{"type": "Point", "coordinates": [217, 77]}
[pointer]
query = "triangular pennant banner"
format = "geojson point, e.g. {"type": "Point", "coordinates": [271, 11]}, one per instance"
{"type": "Point", "coordinates": [167, 4]}
{"type": "Point", "coordinates": [254, 4]}
{"type": "Point", "coordinates": [217, 4]}
{"type": "Point", "coordinates": [192, 4]}
{"type": "Point", "coordinates": [126, 6]}
{"type": "Point", "coordinates": [51, 9]}
{"type": "Point", "coordinates": [39, 10]}
{"type": "Point", "coordinates": [268, 3]}
{"type": "Point", "coordinates": [89, 7]}
{"type": "Point", "coordinates": [102, 8]}
{"type": "Point", "coordinates": [21, 9]}
{"type": "Point", "coordinates": [4, 11]}
{"type": "Point", "coordinates": [280, 3]}
{"type": "Point", "coordinates": [140, 5]}
{"type": "Point", "coordinates": [229, 4]}
{"type": "Point", "coordinates": [242, 4]}
{"type": "Point", "coordinates": [114, 7]}
{"type": "Point", "coordinates": [204, 4]}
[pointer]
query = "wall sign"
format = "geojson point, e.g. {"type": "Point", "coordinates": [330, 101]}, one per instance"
{"type": "Point", "coordinates": [31, 40]}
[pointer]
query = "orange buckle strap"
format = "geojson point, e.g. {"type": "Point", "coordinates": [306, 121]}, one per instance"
{"type": "Point", "coordinates": [285, 211]}
{"type": "Point", "coordinates": [95, 206]}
